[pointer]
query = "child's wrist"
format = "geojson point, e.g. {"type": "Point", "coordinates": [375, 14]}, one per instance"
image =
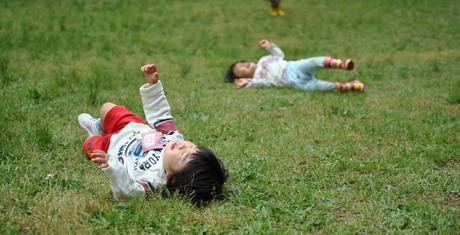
{"type": "Point", "coordinates": [150, 84]}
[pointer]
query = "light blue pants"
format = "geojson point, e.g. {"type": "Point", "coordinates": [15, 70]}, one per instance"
{"type": "Point", "coordinates": [299, 75]}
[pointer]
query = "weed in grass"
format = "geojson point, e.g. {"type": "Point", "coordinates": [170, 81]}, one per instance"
{"type": "Point", "coordinates": [93, 88]}
{"type": "Point", "coordinates": [43, 135]}
{"type": "Point", "coordinates": [4, 62]}
{"type": "Point", "coordinates": [454, 96]}
{"type": "Point", "coordinates": [34, 94]}
{"type": "Point", "coordinates": [5, 75]}
{"type": "Point", "coordinates": [185, 67]}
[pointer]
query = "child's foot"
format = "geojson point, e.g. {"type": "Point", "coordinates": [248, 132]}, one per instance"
{"type": "Point", "coordinates": [356, 86]}
{"type": "Point", "coordinates": [273, 11]}
{"type": "Point", "coordinates": [334, 63]}
{"type": "Point", "coordinates": [280, 10]}
{"type": "Point", "coordinates": [349, 86]}
{"type": "Point", "coordinates": [91, 125]}
{"type": "Point", "coordinates": [348, 64]}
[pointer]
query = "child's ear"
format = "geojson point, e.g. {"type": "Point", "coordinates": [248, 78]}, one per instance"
{"type": "Point", "coordinates": [168, 175]}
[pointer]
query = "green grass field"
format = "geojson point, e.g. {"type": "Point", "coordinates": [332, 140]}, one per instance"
{"type": "Point", "coordinates": [386, 161]}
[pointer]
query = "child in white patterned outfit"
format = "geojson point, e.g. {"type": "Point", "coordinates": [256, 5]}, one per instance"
{"type": "Point", "coordinates": [139, 159]}
{"type": "Point", "coordinates": [273, 70]}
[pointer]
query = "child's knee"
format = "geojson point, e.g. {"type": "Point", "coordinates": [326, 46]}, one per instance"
{"type": "Point", "coordinates": [107, 106]}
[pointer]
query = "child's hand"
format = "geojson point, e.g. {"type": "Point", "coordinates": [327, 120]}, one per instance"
{"type": "Point", "coordinates": [265, 43]}
{"type": "Point", "coordinates": [101, 157]}
{"type": "Point", "coordinates": [151, 74]}
{"type": "Point", "coordinates": [241, 82]}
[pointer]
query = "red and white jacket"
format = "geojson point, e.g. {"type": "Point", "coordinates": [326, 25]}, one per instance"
{"type": "Point", "coordinates": [131, 170]}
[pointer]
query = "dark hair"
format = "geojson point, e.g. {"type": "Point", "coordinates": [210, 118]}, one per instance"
{"type": "Point", "coordinates": [201, 179]}
{"type": "Point", "coordinates": [230, 77]}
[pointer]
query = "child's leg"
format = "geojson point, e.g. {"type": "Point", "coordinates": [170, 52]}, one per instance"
{"type": "Point", "coordinates": [318, 85]}
{"type": "Point", "coordinates": [275, 4]}
{"type": "Point", "coordinates": [99, 139]}
{"type": "Point", "coordinates": [96, 126]}
{"type": "Point", "coordinates": [113, 119]}
{"type": "Point", "coordinates": [105, 108]}
{"type": "Point", "coordinates": [300, 75]}
{"type": "Point", "coordinates": [311, 84]}
{"type": "Point", "coordinates": [308, 66]}
{"type": "Point", "coordinates": [317, 63]}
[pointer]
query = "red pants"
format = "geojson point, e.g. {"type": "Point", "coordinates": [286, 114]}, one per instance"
{"type": "Point", "coordinates": [115, 120]}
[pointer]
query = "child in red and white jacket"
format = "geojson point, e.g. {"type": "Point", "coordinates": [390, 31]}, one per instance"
{"type": "Point", "coordinates": [139, 159]}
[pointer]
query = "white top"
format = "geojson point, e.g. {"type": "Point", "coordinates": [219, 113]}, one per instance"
{"type": "Point", "coordinates": [131, 171]}
{"type": "Point", "coordinates": [270, 69]}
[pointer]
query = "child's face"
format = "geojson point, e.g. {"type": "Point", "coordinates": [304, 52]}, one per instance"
{"type": "Point", "coordinates": [244, 69]}
{"type": "Point", "coordinates": [177, 155]}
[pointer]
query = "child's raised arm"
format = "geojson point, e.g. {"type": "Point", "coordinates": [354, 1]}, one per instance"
{"type": "Point", "coordinates": [272, 48]}
{"type": "Point", "coordinates": [155, 104]}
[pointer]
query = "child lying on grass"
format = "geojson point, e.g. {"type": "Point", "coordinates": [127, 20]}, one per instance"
{"type": "Point", "coordinates": [139, 159]}
{"type": "Point", "coordinates": [273, 70]}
